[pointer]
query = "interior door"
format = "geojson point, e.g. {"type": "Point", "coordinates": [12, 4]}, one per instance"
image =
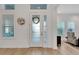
{"type": "Point", "coordinates": [37, 29]}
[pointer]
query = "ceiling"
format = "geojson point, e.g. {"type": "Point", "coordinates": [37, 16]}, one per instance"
{"type": "Point", "coordinates": [68, 9]}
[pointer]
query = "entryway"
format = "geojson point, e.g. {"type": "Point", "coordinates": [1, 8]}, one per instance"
{"type": "Point", "coordinates": [38, 29]}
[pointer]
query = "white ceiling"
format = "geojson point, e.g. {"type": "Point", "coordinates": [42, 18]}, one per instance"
{"type": "Point", "coordinates": [68, 9]}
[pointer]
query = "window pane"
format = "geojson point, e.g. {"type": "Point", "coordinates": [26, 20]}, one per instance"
{"type": "Point", "coordinates": [8, 25]}
{"type": "Point", "coordinates": [9, 6]}
{"type": "Point", "coordinates": [45, 30]}
{"type": "Point", "coordinates": [8, 20]}
{"type": "Point", "coordinates": [35, 30]}
{"type": "Point", "coordinates": [60, 28]}
{"type": "Point", "coordinates": [38, 6]}
{"type": "Point", "coordinates": [71, 26]}
{"type": "Point", "coordinates": [8, 31]}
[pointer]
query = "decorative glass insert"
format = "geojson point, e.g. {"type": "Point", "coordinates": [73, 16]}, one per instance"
{"type": "Point", "coordinates": [35, 29]}
{"type": "Point", "coordinates": [71, 26]}
{"type": "Point", "coordinates": [9, 6]}
{"type": "Point", "coordinates": [38, 6]}
{"type": "Point", "coordinates": [8, 25]}
{"type": "Point", "coordinates": [60, 28]}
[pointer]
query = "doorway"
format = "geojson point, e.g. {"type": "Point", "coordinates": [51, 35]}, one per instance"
{"type": "Point", "coordinates": [38, 32]}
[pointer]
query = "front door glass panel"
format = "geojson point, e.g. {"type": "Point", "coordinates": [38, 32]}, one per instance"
{"type": "Point", "coordinates": [35, 28]}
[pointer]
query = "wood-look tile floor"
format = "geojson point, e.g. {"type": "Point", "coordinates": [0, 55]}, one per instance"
{"type": "Point", "coordinates": [65, 49]}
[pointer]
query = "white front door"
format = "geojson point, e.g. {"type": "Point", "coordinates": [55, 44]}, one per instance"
{"type": "Point", "coordinates": [38, 32]}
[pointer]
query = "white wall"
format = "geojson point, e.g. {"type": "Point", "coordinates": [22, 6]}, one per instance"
{"type": "Point", "coordinates": [52, 17]}
{"type": "Point", "coordinates": [68, 8]}
{"type": "Point", "coordinates": [20, 39]}
{"type": "Point", "coordinates": [21, 32]}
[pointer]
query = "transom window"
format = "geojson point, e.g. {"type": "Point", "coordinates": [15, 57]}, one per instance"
{"type": "Point", "coordinates": [38, 6]}
{"type": "Point", "coordinates": [9, 6]}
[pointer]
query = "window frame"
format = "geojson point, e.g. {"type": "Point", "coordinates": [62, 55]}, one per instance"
{"type": "Point", "coordinates": [8, 26]}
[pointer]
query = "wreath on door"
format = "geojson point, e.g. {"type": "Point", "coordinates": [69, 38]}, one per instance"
{"type": "Point", "coordinates": [36, 20]}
